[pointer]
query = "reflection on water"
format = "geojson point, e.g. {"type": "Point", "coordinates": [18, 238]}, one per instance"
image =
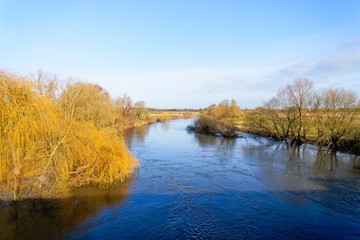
{"type": "Point", "coordinates": [47, 218]}
{"type": "Point", "coordinates": [136, 134]}
{"type": "Point", "coordinates": [303, 162]}
{"type": "Point", "coordinates": [195, 186]}
{"type": "Point", "coordinates": [165, 126]}
{"type": "Point", "coordinates": [205, 141]}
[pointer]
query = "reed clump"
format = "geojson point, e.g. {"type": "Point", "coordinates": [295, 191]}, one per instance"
{"type": "Point", "coordinates": [49, 144]}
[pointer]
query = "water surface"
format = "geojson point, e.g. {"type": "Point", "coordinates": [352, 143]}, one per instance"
{"type": "Point", "coordinates": [194, 186]}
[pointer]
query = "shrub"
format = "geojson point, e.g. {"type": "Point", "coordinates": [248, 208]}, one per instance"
{"type": "Point", "coordinates": [209, 125]}
{"type": "Point", "coordinates": [47, 147]}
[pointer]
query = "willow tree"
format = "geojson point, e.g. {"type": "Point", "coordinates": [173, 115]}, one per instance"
{"type": "Point", "coordinates": [92, 104]}
{"type": "Point", "coordinates": [48, 147]}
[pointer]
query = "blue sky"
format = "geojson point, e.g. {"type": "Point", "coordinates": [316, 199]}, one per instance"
{"type": "Point", "coordinates": [185, 54]}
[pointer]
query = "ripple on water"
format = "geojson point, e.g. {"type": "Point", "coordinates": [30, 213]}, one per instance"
{"type": "Point", "coordinates": [193, 186]}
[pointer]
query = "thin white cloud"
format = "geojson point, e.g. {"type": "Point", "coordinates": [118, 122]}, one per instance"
{"type": "Point", "coordinates": [198, 86]}
{"type": "Point", "coordinates": [340, 60]}
{"type": "Point", "coordinates": [337, 67]}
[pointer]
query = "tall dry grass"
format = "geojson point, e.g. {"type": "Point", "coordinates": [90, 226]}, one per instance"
{"type": "Point", "coordinates": [47, 145]}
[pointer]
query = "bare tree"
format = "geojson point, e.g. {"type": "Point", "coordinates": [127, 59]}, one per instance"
{"type": "Point", "coordinates": [124, 105]}
{"type": "Point", "coordinates": [46, 84]}
{"type": "Point", "coordinates": [317, 114]}
{"type": "Point", "coordinates": [281, 120]}
{"type": "Point", "coordinates": [336, 110]}
{"type": "Point", "coordinates": [141, 111]}
{"type": "Point", "coordinates": [298, 95]}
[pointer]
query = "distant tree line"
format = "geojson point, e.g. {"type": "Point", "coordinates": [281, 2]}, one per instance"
{"type": "Point", "coordinates": [174, 109]}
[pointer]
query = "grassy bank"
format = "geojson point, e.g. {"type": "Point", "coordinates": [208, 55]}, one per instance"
{"type": "Point", "coordinates": [161, 116]}
{"type": "Point", "coordinates": [299, 114]}
{"type": "Point", "coordinates": [166, 115]}
{"type": "Point", "coordinates": [348, 143]}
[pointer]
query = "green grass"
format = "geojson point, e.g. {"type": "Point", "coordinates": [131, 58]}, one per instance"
{"type": "Point", "coordinates": [237, 121]}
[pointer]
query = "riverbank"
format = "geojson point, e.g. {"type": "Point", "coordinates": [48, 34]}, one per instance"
{"type": "Point", "coordinates": [345, 145]}
{"type": "Point", "coordinates": [233, 127]}
{"type": "Point", "coordinates": [191, 186]}
{"type": "Point", "coordinates": [39, 187]}
{"type": "Point", "coordinates": [161, 116]}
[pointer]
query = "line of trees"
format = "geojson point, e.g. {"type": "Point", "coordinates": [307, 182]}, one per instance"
{"type": "Point", "coordinates": [299, 113]}
{"type": "Point", "coordinates": [53, 137]}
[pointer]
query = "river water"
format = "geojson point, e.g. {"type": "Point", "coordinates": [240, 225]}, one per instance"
{"type": "Point", "coordinates": [194, 186]}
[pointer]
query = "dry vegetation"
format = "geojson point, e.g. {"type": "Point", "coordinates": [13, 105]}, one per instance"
{"type": "Point", "coordinates": [298, 114]}
{"type": "Point", "coordinates": [216, 119]}
{"type": "Point", "coordinates": [53, 138]}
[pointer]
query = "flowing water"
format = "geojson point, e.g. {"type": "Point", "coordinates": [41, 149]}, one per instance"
{"type": "Point", "coordinates": [194, 186]}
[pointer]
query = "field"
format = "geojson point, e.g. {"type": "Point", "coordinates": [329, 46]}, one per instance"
{"type": "Point", "coordinates": [166, 115]}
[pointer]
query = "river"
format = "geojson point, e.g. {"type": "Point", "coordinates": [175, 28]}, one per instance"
{"type": "Point", "coordinates": [194, 186]}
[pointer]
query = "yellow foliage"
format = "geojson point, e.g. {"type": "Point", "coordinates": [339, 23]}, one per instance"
{"type": "Point", "coordinates": [91, 103]}
{"type": "Point", "coordinates": [46, 148]}
{"type": "Point", "coordinates": [224, 110]}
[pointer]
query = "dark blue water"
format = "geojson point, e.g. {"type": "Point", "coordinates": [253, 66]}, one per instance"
{"type": "Point", "coordinates": [193, 186]}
